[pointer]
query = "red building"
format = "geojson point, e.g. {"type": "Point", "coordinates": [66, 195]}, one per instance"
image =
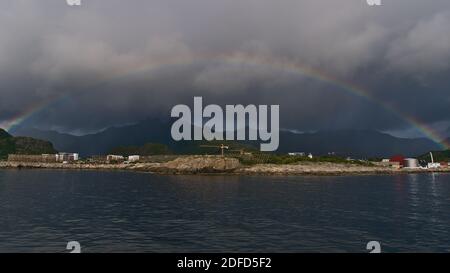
{"type": "Point", "coordinates": [398, 158]}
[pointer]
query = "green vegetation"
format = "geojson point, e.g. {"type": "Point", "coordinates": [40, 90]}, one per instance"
{"type": "Point", "coordinates": [23, 145]}
{"type": "Point", "coordinates": [266, 158]}
{"type": "Point", "coordinates": [145, 150]}
{"type": "Point", "coordinates": [7, 146]}
{"type": "Point", "coordinates": [245, 152]}
{"type": "Point", "coordinates": [439, 156]}
{"type": "Point", "coordinates": [31, 146]}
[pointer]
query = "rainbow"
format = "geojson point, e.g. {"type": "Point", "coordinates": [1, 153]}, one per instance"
{"type": "Point", "coordinates": [29, 112]}
{"type": "Point", "coordinates": [252, 60]}
{"type": "Point", "coordinates": [352, 89]}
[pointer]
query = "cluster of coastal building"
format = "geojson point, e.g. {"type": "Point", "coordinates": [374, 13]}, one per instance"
{"type": "Point", "coordinates": [397, 162]}
{"type": "Point", "coordinates": [400, 161]}
{"type": "Point", "coordinates": [45, 158]}
{"type": "Point", "coordinates": [71, 158]}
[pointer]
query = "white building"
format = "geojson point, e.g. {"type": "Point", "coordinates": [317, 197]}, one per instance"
{"type": "Point", "coordinates": [114, 158]}
{"type": "Point", "coordinates": [297, 154]}
{"type": "Point", "coordinates": [434, 165]}
{"type": "Point", "coordinates": [133, 158]}
{"type": "Point", "coordinates": [67, 157]}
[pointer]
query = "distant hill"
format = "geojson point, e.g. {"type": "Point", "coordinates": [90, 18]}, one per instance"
{"type": "Point", "coordinates": [4, 134]}
{"type": "Point", "coordinates": [7, 145]}
{"type": "Point", "coordinates": [438, 156]}
{"type": "Point", "coordinates": [23, 145]}
{"type": "Point", "coordinates": [354, 143]}
{"type": "Point", "coordinates": [145, 150]}
{"type": "Point", "coordinates": [153, 131]}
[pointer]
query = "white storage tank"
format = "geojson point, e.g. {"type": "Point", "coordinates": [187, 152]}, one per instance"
{"type": "Point", "coordinates": [411, 163]}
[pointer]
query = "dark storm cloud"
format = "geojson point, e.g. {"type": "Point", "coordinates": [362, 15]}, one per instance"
{"type": "Point", "coordinates": [111, 62]}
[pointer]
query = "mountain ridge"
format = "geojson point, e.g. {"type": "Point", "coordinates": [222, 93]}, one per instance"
{"type": "Point", "coordinates": [346, 142]}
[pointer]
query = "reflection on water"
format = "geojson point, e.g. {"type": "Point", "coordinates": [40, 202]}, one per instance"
{"type": "Point", "coordinates": [42, 210]}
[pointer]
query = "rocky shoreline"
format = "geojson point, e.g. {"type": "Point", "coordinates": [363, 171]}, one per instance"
{"type": "Point", "coordinates": [224, 165]}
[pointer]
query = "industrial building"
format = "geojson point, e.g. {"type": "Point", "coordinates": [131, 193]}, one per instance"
{"type": "Point", "coordinates": [31, 158]}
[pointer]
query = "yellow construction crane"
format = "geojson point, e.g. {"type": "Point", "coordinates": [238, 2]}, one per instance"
{"type": "Point", "coordinates": [222, 147]}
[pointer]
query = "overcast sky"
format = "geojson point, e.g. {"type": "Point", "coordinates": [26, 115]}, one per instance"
{"type": "Point", "coordinates": [113, 62]}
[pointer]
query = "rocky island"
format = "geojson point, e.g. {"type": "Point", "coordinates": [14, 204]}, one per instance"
{"type": "Point", "coordinates": [224, 165]}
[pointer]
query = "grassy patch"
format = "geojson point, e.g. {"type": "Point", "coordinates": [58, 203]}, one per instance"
{"type": "Point", "coordinates": [287, 159]}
